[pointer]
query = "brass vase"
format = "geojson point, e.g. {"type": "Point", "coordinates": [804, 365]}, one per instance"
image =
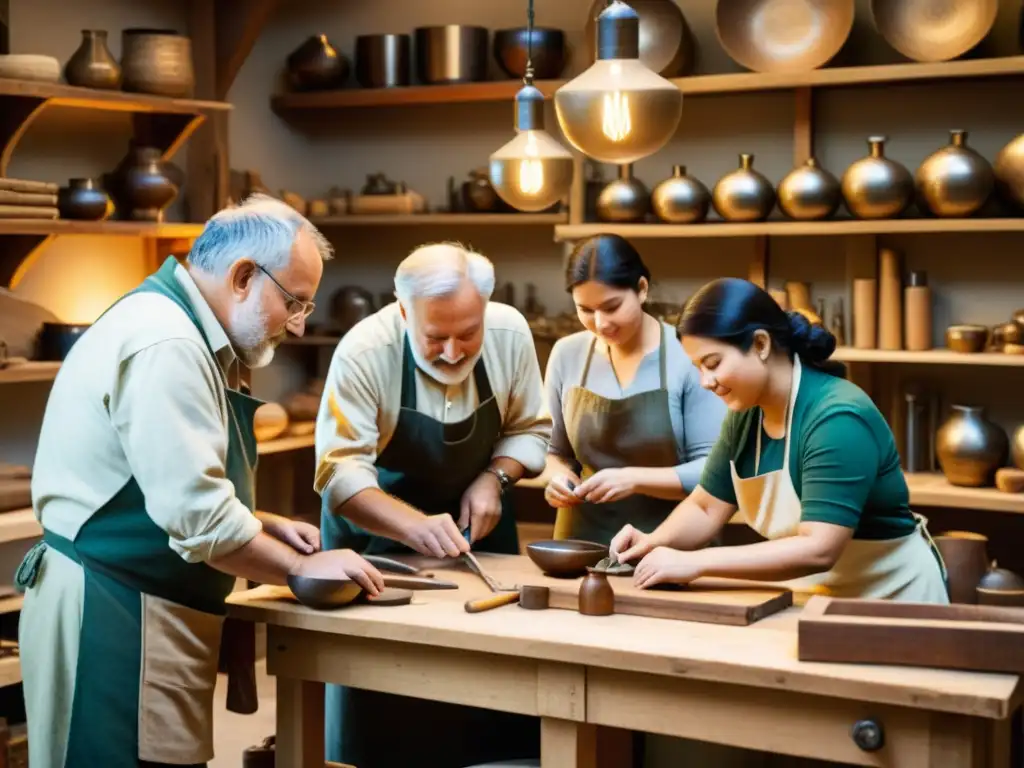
{"type": "Point", "coordinates": [970, 448]}
{"type": "Point", "coordinates": [625, 199]}
{"type": "Point", "coordinates": [956, 180]}
{"type": "Point", "coordinates": [681, 199]}
{"type": "Point", "coordinates": [1009, 171]}
{"type": "Point", "coordinates": [145, 190]}
{"type": "Point", "coordinates": [809, 192]}
{"type": "Point", "coordinates": [744, 194]}
{"type": "Point", "coordinates": [93, 65]}
{"type": "Point", "coordinates": [876, 187]}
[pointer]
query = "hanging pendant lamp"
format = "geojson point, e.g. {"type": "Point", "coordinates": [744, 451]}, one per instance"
{"type": "Point", "coordinates": [618, 111]}
{"type": "Point", "coordinates": [533, 171]}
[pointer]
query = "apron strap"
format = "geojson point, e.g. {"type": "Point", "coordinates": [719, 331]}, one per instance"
{"type": "Point", "coordinates": [586, 364]}
{"type": "Point", "coordinates": [794, 388]}
{"type": "Point", "coordinates": [408, 396]}
{"type": "Point", "coordinates": [662, 364]}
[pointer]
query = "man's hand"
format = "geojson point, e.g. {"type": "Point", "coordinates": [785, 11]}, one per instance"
{"type": "Point", "coordinates": [297, 534]}
{"type": "Point", "coordinates": [481, 506]}
{"type": "Point", "coordinates": [436, 536]}
{"type": "Point", "coordinates": [343, 564]}
{"type": "Point", "coordinates": [607, 485]}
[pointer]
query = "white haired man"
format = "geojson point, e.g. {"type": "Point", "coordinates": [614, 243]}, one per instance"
{"type": "Point", "coordinates": [143, 483]}
{"type": "Point", "coordinates": [432, 408]}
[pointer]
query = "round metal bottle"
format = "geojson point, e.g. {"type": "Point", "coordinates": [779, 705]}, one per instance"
{"type": "Point", "coordinates": [744, 194]}
{"type": "Point", "coordinates": [1009, 170]}
{"type": "Point", "coordinates": [809, 192]}
{"type": "Point", "coordinates": [625, 199]}
{"type": "Point", "coordinates": [876, 187]}
{"type": "Point", "coordinates": [956, 180]}
{"type": "Point", "coordinates": [681, 199]}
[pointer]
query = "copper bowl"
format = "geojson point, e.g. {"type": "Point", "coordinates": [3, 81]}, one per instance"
{"type": "Point", "coordinates": [566, 557]}
{"type": "Point", "coordinates": [926, 30]}
{"type": "Point", "coordinates": [323, 594]}
{"type": "Point", "coordinates": [783, 35]}
{"type": "Point", "coordinates": [966, 338]}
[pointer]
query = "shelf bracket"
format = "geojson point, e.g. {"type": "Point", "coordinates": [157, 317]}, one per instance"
{"type": "Point", "coordinates": [17, 253]}
{"type": "Point", "coordinates": [16, 114]}
{"type": "Point", "coordinates": [166, 130]}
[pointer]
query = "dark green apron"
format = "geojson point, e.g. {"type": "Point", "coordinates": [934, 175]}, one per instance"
{"type": "Point", "coordinates": [125, 556]}
{"type": "Point", "coordinates": [428, 464]}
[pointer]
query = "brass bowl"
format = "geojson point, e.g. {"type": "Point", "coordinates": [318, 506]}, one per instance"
{"type": "Point", "coordinates": [926, 30]}
{"type": "Point", "coordinates": [783, 35]}
{"type": "Point", "coordinates": [323, 594]}
{"type": "Point", "coordinates": [566, 557]}
{"type": "Point", "coordinates": [967, 338]}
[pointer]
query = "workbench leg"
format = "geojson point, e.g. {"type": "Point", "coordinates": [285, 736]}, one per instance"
{"type": "Point", "coordinates": [567, 744]}
{"type": "Point", "coordinates": [300, 724]}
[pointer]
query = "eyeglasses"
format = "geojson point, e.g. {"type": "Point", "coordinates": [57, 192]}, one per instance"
{"type": "Point", "coordinates": [305, 308]}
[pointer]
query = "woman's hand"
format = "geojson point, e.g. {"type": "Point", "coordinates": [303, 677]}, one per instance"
{"type": "Point", "coordinates": [297, 534]}
{"type": "Point", "coordinates": [558, 492]}
{"type": "Point", "coordinates": [664, 565]}
{"type": "Point", "coordinates": [629, 544]}
{"type": "Point", "coordinates": [607, 485]}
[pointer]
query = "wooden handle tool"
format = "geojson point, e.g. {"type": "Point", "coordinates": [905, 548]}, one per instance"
{"type": "Point", "coordinates": [491, 601]}
{"type": "Point", "coordinates": [418, 582]}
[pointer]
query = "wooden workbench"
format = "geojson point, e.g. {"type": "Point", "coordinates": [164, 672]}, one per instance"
{"type": "Point", "coordinates": [580, 673]}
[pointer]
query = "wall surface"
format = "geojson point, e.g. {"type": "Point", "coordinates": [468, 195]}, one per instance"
{"type": "Point", "coordinates": [974, 278]}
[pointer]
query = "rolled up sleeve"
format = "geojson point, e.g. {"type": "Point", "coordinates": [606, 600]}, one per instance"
{"type": "Point", "coordinates": [168, 412]}
{"type": "Point", "coordinates": [526, 427]}
{"type": "Point", "coordinates": [346, 432]}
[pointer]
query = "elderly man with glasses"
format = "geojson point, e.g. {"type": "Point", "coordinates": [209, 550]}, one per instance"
{"type": "Point", "coordinates": [143, 484]}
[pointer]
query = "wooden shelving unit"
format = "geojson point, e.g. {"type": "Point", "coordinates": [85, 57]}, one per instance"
{"type": "Point", "coordinates": [929, 357]}
{"type": "Point", "coordinates": [834, 228]}
{"type": "Point", "coordinates": [312, 341]}
{"type": "Point", "coordinates": [443, 220]}
{"type": "Point", "coordinates": [10, 671]}
{"type": "Point", "coordinates": [19, 525]}
{"type": "Point", "coordinates": [282, 444]}
{"type": "Point", "coordinates": [698, 85]}
{"type": "Point", "coordinates": [29, 372]}
{"type": "Point", "coordinates": [933, 490]}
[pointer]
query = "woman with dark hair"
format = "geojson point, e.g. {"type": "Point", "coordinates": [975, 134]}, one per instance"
{"type": "Point", "coordinates": [804, 456]}
{"type": "Point", "coordinates": [628, 412]}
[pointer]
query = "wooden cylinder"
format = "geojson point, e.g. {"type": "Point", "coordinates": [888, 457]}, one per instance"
{"type": "Point", "coordinates": [799, 295]}
{"type": "Point", "coordinates": [917, 313]}
{"type": "Point", "coordinates": [781, 298]}
{"type": "Point", "coordinates": [890, 301]}
{"type": "Point", "coordinates": [865, 313]}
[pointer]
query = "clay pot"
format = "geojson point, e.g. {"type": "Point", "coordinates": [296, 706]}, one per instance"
{"type": "Point", "coordinates": [93, 65]}
{"type": "Point", "coordinates": [876, 187]}
{"type": "Point", "coordinates": [316, 65]}
{"type": "Point", "coordinates": [809, 193]}
{"type": "Point", "coordinates": [84, 200]}
{"type": "Point", "coordinates": [970, 448]}
{"type": "Point", "coordinates": [1000, 586]}
{"type": "Point", "coordinates": [269, 421]}
{"type": "Point", "coordinates": [157, 61]}
{"type": "Point", "coordinates": [478, 195]}
{"type": "Point", "coordinates": [666, 45]}
{"type": "Point", "coordinates": [956, 180]}
{"type": "Point", "coordinates": [1009, 172]}
{"type": "Point", "coordinates": [596, 596]}
{"type": "Point", "coordinates": [966, 557]}
{"type": "Point", "coordinates": [681, 199]}
{"type": "Point", "coordinates": [548, 52]}
{"type": "Point", "coordinates": [383, 61]}
{"type": "Point", "coordinates": [1005, 333]}
{"type": "Point", "coordinates": [349, 305]}
{"type": "Point", "coordinates": [625, 199]}
{"type": "Point", "coordinates": [144, 190]}
{"type": "Point", "coordinates": [744, 194]}
{"type": "Point", "coordinates": [966, 339]}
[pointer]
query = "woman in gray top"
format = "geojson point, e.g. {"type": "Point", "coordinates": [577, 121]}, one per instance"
{"type": "Point", "coordinates": [632, 425]}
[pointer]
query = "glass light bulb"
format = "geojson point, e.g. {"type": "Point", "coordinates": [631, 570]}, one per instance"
{"type": "Point", "coordinates": [618, 111]}
{"type": "Point", "coordinates": [532, 172]}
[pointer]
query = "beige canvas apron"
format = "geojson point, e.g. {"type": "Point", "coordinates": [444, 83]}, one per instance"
{"type": "Point", "coordinates": [907, 568]}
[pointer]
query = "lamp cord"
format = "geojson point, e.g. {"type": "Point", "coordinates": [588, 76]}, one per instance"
{"type": "Point", "coordinates": [528, 79]}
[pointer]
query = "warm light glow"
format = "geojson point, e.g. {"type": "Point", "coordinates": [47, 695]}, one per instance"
{"type": "Point", "coordinates": [532, 172]}
{"type": "Point", "coordinates": [531, 177]}
{"type": "Point", "coordinates": [615, 120]}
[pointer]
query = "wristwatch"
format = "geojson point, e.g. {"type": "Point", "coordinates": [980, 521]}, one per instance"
{"type": "Point", "coordinates": [503, 478]}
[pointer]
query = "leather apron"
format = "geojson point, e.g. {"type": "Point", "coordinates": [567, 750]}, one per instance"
{"type": "Point", "coordinates": [605, 433]}
{"type": "Point", "coordinates": [907, 568]}
{"type": "Point", "coordinates": [151, 623]}
{"type": "Point", "coordinates": [428, 464]}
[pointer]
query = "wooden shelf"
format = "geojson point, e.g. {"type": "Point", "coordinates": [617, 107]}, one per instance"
{"type": "Point", "coordinates": [933, 490]}
{"type": "Point", "coordinates": [311, 341]}
{"type": "Point", "coordinates": [10, 671]}
{"type": "Point", "coordinates": [698, 85]}
{"type": "Point", "coordinates": [11, 604]}
{"type": "Point", "coordinates": [790, 228]}
{"type": "Point", "coordinates": [18, 525]}
{"type": "Point", "coordinates": [27, 372]}
{"type": "Point", "coordinates": [930, 357]}
{"type": "Point", "coordinates": [442, 219]}
{"type": "Point", "coordinates": [282, 444]}
{"type": "Point", "coordinates": [111, 101]}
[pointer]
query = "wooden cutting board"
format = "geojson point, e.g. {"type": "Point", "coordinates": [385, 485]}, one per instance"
{"type": "Point", "coordinates": [713, 601]}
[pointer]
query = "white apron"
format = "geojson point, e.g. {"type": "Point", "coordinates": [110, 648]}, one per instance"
{"type": "Point", "coordinates": [907, 568]}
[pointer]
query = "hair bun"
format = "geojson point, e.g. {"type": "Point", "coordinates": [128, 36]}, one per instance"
{"type": "Point", "coordinates": [812, 342]}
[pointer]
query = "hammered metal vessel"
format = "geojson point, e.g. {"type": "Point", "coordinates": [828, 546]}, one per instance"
{"type": "Point", "coordinates": [744, 194]}
{"type": "Point", "coordinates": [955, 180]}
{"type": "Point", "coordinates": [681, 199]}
{"type": "Point", "coordinates": [809, 192]}
{"type": "Point", "coordinates": [876, 187]}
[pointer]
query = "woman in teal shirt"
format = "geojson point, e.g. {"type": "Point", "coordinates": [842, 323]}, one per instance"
{"type": "Point", "coordinates": [804, 456]}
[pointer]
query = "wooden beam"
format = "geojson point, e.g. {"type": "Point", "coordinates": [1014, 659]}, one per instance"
{"type": "Point", "coordinates": [237, 25]}
{"type": "Point", "coordinates": [803, 125]}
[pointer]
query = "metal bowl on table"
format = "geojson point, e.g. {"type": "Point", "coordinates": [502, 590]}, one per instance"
{"type": "Point", "coordinates": [783, 35]}
{"type": "Point", "coordinates": [566, 557]}
{"type": "Point", "coordinates": [934, 30]}
{"type": "Point", "coordinates": [323, 594]}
